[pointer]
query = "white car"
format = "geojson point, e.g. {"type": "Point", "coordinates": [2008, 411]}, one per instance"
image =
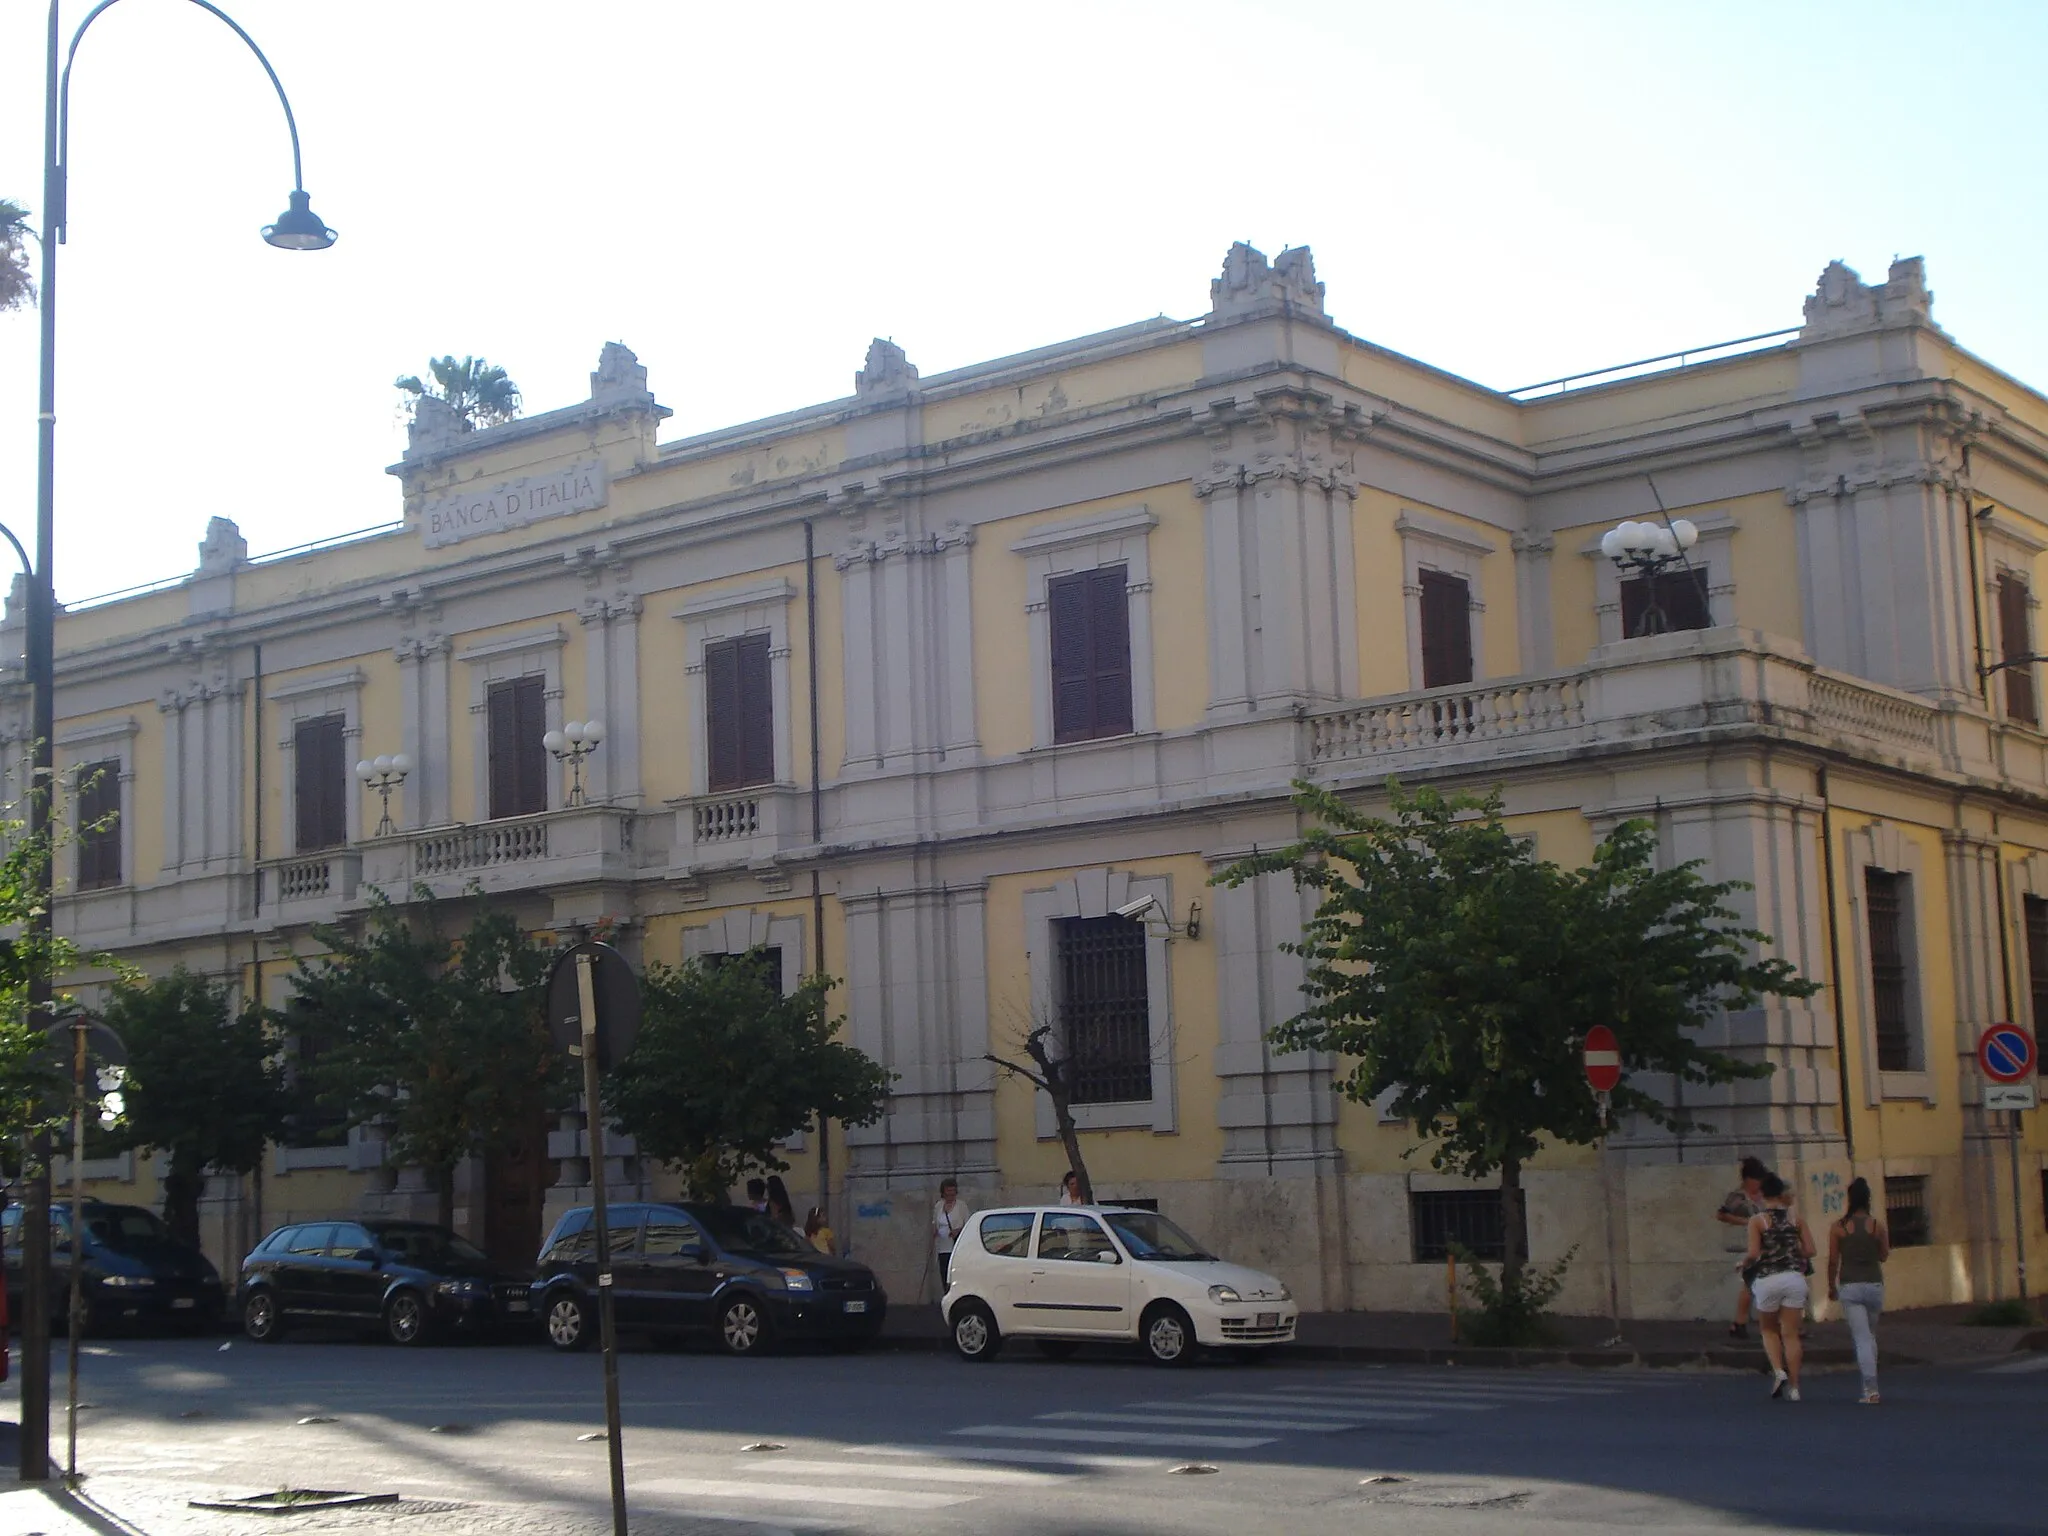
{"type": "Point", "coordinates": [1066, 1275]}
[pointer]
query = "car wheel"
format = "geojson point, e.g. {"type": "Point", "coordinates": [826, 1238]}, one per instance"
{"type": "Point", "coordinates": [261, 1319]}
{"type": "Point", "coordinates": [405, 1319]}
{"type": "Point", "coordinates": [1168, 1334]}
{"type": "Point", "coordinates": [975, 1334]}
{"type": "Point", "coordinates": [742, 1327]}
{"type": "Point", "coordinates": [568, 1324]}
{"type": "Point", "coordinates": [1058, 1349]}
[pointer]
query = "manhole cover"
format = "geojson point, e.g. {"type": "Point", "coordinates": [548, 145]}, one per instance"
{"type": "Point", "coordinates": [317, 1418]}
{"type": "Point", "coordinates": [291, 1501]}
{"type": "Point", "coordinates": [595, 1434]}
{"type": "Point", "coordinates": [765, 1445]}
{"type": "Point", "coordinates": [1381, 1477]}
{"type": "Point", "coordinates": [451, 1429]}
{"type": "Point", "coordinates": [1190, 1469]}
{"type": "Point", "coordinates": [1427, 1495]}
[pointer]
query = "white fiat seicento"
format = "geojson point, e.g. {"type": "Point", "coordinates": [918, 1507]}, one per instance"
{"type": "Point", "coordinates": [1065, 1275]}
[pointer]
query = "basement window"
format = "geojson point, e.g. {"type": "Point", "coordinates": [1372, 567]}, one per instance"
{"type": "Point", "coordinates": [1905, 1211]}
{"type": "Point", "coordinates": [1437, 1218]}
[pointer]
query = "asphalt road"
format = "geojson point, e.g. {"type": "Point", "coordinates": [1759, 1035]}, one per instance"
{"type": "Point", "coordinates": [486, 1439]}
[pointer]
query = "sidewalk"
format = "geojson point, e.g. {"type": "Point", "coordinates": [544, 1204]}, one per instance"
{"type": "Point", "coordinates": [1923, 1336]}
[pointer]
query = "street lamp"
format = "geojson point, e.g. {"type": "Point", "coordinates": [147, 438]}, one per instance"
{"type": "Point", "coordinates": [297, 229]}
{"type": "Point", "coordinates": [384, 773]}
{"type": "Point", "coordinates": [1645, 550]}
{"type": "Point", "coordinates": [571, 744]}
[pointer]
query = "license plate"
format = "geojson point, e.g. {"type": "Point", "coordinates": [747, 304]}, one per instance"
{"type": "Point", "coordinates": [519, 1304]}
{"type": "Point", "coordinates": [856, 1306]}
{"type": "Point", "coordinates": [1268, 1320]}
{"type": "Point", "coordinates": [181, 1301]}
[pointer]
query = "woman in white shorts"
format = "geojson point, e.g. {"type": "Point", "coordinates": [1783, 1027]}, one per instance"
{"type": "Point", "coordinates": [1776, 1265]}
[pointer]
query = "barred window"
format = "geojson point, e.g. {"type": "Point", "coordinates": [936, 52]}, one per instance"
{"type": "Point", "coordinates": [1470, 1218]}
{"type": "Point", "coordinates": [1678, 597]}
{"type": "Point", "coordinates": [1905, 1211]}
{"type": "Point", "coordinates": [99, 825]}
{"type": "Point", "coordinates": [1105, 1014]}
{"type": "Point", "coordinates": [2037, 961]}
{"type": "Point", "coordinates": [1885, 896]}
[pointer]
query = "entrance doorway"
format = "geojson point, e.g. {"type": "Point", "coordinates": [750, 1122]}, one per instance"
{"type": "Point", "coordinates": [516, 1181]}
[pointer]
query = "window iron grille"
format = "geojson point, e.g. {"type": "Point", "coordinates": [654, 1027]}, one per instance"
{"type": "Point", "coordinates": [1105, 1012]}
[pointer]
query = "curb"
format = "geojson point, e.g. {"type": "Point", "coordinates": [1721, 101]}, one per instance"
{"type": "Point", "coordinates": [1477, 1355]}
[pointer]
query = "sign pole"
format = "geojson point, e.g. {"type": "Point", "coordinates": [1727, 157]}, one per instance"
{"type": "Point", "coordinates": [593, 1118]}
{"type": "Point", "coordinates": [76, 1310]}
{"type": "Point", "coordinates": [1613, 1258]}
{"type": "Point", "coordinates": [2019, 1222]}
{"type": "Point", "coordinates": [2007, 1055]}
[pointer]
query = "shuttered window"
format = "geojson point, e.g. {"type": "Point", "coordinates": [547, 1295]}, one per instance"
{"type": "Point", "coordinates": [2037, 961]}
{"type": "Point", "coordinates": [99, 824]}
{"type": "Point", "coordinates": [320, 782]}
{"type": "Point", "coordinates": [1105, 1013]}
{"type": "Point", "coordinates": [1091, 654]}
{"type": "Point", "coordinates": [1446, 630]}
{"type": "Point", "coordinates": [739, 713]}
{"type": "Point", "coordinates": [2015, 639]}
{"type": "Point", "coordinates": [1891, 972]}
{"type": "Point", "coordinates": [1681, 598]}
{"type": "Point", "coordinates": [519, 759]}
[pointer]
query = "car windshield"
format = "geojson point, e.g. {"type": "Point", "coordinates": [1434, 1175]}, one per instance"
{"type": "Point", "coordinates": [1150, 1235]}
{"type": "Point", "coordinates": [429, 1246]}
{"type": "Point", "coordinates": [746, 1231]}
{"type": "Point", "coordinates": [125, 1226]}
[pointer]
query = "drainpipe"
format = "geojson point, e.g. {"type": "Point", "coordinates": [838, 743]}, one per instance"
{"type": "Point", "coordinates": [1827, 865]}
{"type": "Point", "coordinates": [817, 825]}
{"type": "Point", "coordinates": [253, 1212]}
{"type": "Point", "coordinates": [1976, 585]}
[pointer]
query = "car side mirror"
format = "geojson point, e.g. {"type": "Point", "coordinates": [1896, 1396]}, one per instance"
{"type": "Point", "coordinates": [365, 1255]}
{"type": "Point", "coordinates": [1106, 1257]}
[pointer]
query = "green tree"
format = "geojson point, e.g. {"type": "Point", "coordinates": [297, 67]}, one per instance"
{"type": "Point", "coordinates": [481, 394]}
{"type": "Point", "coordinates": [725, 1066]}
{"type": "Point", "coordinates": [203, 1085]}
{"type": "Point", "coordinates": [17, 287]}
{"type": "Point", "coordinates": [441, 1042]}
{"type": "Point", "coordinates": [1462, 972]}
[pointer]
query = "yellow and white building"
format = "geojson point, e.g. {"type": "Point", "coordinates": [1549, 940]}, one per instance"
{"type": "Point", "coordinates": [922, 685]}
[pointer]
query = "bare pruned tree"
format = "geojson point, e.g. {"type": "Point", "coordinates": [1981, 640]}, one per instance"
{"type": "Point", "coordinates": [1049, 1069]}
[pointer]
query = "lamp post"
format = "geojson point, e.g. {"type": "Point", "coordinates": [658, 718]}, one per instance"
{"type": "Point", "coordinates": [1644, 550]}
{"type": "Point", "coordinates": [571, 744]}
{"type": "Point", "coordinates": [384, 773]}
{"type": "Point", "coordinates": [297, 229]}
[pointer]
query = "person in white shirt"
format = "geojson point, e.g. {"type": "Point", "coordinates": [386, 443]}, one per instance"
{"type": "Point", "coordinates": [949, 1217]}
{"type": "Point", "coordinates": [1070, 1189]}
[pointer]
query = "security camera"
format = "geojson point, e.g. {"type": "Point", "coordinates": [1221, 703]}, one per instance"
{"type": "Point", "coordinates": [1137, 908]}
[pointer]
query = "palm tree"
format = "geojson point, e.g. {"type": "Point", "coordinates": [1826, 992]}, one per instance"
{"type": "Point", "coordinates": [17, 289]}
{"type": "Point", "coordinates": [481, 394]}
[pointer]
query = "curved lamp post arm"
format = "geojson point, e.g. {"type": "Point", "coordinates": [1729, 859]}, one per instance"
{"type": "Point", "coordinates": [57, 216]}
{"type": "Point", "coordinates": [27, 565]}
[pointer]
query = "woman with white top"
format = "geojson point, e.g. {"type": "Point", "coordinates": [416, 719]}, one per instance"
{"type": "Point", "coordinates": [949, 1218]}
{"type": "Point", "coordinates": [1070, 1189]}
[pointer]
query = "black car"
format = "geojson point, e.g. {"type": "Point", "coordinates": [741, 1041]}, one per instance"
{"type": "Point", "coordinates": [135, 1271]}
{"type": "Point", "coordinates": [408, 1279]}
{"type": "Point", "coordinates": [718, 1269]}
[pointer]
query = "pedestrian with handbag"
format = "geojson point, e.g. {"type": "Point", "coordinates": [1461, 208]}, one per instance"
{"type": "Point", "coordinates": [949, 1219]}
{"type": "Point", "coordinates": [1779, 1258]}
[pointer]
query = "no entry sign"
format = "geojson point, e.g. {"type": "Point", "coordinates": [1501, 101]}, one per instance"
{"type": "Point", "coordinates": [1603, 1059]}
{"type": "Point", "coordinates": [2006, 1053]}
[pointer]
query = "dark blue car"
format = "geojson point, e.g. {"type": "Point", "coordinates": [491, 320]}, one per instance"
{"type": "Point", "coordinates": [409, 1280]}
{"type": "Point", "coordinates": [135, 1271]}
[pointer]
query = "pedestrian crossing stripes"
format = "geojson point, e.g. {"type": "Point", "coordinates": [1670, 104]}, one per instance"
{"type": "Point", "coordinates": [2023, 1367]}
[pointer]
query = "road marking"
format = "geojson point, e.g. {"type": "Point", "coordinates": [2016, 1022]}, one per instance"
{"type": "Point", "coordinates": [803, 1493]}
{"type": "Point", "coordinates": [1224, 1418]}
{"type": "Point", "coordinates": [1525, 1389]}
{"type": "Point", "coordinates": [1114, 1436]}
{"type": "Point", "coordinates": [1390, 1399]}
{"type": "Point", "coordinates": [1008, 1475]}
{"type": "Point", "coordinates": [2017, 1367]}
{"type": "Point", "coordinates": [1019, 1454]}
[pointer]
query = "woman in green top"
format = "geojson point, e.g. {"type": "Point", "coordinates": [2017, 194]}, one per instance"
{"type": "Point", "coordinates": [1858, 1245]}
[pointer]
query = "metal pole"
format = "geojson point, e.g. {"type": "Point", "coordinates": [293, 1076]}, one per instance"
{"type": "Point", "coordinates": [2019, 1221]}
{"type": "Point", "coordinates": [1613, 1258]}
{"type": "Point", "coordinates": [593, 1118]}
{"type": "Point", "coordinates": [41, 648]}
{"type": "Point", "coordinates": [76, 1311]}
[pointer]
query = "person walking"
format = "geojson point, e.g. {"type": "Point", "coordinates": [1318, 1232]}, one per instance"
{"type": "Point", "coordinates": [779, 1207]}
{"type": "Point", "coordinates": [1742, 1203]}
{"type": "Point", "coordinates": [1070, 1189]}
{"type": "Point", "coordinates": [1858, 1245]}
{"type": "Point", "coordinates": [816, 1230]}
{"type": "Point", "coordinates": [1776, 1263]}
{"type": "Point", "coordinates": [949, 1217]}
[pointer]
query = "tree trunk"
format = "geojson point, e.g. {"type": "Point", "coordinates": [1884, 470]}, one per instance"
{"type": "Point", "coordinates": [1514, 1221]}
{"type": "Point", "coordinates": [182, 1188]}
{"type": "Point", "coordinates": [1070, 1138]}
{"type": "Point", "coordinates": [444, 1194]}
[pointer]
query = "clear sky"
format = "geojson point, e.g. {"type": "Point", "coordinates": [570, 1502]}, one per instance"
{"type": "Point", "coordinates": [745, 194]}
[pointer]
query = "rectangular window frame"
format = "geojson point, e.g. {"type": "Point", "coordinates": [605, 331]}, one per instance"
{"type": "Point", "coordinates": [1891, 971]}
{"type": "Point", "coordinates": [321, 782]}
{"type": "Point", "coordinates": [1471, 1217]}
{"type": "Point", "coordinates": [1908, 1220]}
{"type": "Point", "coordinates": [2014, 612]}
{"type": "Point", "coordinates": [1685, 597]}
{"type": "Point", "coordinates": [1106, 1038]}
{"type": "Point", "coordinates": [1119, 537]}
{"type": "Point", "coordinates": [1445, 616]}
{"type": "Point", "coordinates": [739, 713]}
{"type": "Point", "coordinates": [98, 807]}
{"type": "Point", "coordinates": [518, 771]}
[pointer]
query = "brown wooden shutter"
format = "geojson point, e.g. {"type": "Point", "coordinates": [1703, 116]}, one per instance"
{"type": "Point", "coordinates": [1109, 639]}
{"type": "Point", "coordinates": [320, 782]}
{"type": "Point", "coordinates": [724, 761]}
{"type": "Point", "coordinates": [1683, 595]}
{"type": "Point", "coordinates": [99, 824]}
{"type": "Point", "coordinates": [1073, 691]}
{"type": "Point", "coordinates": [2015, 639]}
{"type": "Point", "coordinates": [501, 704]}
{"type": "Point", "coordinates": [756, 711]}
{"type": "Point", "coordinates": [1446, 630]}
{"type": "Point", "coordinates": [519, 759]}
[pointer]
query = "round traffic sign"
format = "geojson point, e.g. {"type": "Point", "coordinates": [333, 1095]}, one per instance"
{"type": "Point", "coordinates": [1603, 1059]}
{"type": "Point", "coordinates": [2006, 1053]}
